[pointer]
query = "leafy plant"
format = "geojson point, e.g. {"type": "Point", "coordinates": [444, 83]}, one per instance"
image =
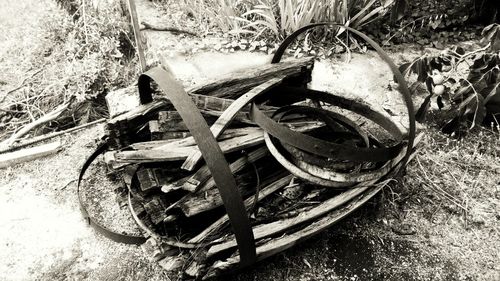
{"type": "Point", "coordinates": [221, 14]}
{"type": "Point", "coordinates": [285, 16]}
{"type": "Point", "coordinates": [467, 100]}
{"type": "Point", "coordinates": [80, 60]}
{"type": "Point", "coordinates": [280, 18]}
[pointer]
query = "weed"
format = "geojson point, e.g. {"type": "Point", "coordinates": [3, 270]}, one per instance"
{"type": "Point", "coordinates": [466, 85]}
{"type": "Point", "coordinates": [455, 176]}
{"type": "Point", "coordinates": [277, 19]}
{"type": "Point", "coordinates": [82, 59]}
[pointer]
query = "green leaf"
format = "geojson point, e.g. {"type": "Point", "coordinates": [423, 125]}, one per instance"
{"type": "Point", "coordinates": [428, 84]}
{"type": "Point", "coordinates": [452, 126]}
{"type": "Point", "coordinates": [479, 111]}
{"type": "Point", "coordinates": [422, 70]}
{"type": "Point", "coordinates": [461, 92]}
{"type": "Point", "coordinates": [490, 91]}
{"type": "Point", "coordinates": [398, 10]}
{"type": "Point", "coordinates": [422, 111]}
{"type": "Point", "coordinates": [460, 51]}
{"type": "Point", "coordinates": [440, 102]}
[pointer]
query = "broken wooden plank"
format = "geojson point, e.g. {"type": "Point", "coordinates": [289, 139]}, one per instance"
{"type": "Point", "coordinates": [277, 227]}
{"type": "Point", "coordinates": [169, 121]}
{"type": "Point", "coordinates": [189, 141]}
{"type": "Point", "coordinates": [123, 128]}
{"type": "Point", "coordinates": [208, 199]}
{"type": "Point", "coordinates": [28, 154]}
{"type": "Point", "coordinates": [225, 119]}
{"type": "Point", "coordinates": [237, 83]}
{"type": "Point", "coordinates": [203, 174]}
{"type": "Point", "coordinates": [181, 153]}
{"type": "Point", "coordinates": [25, 142]}
{"type": "Point", "coordinates": [263, 193]}
{"type": "Point", "coordinates": [122, 100]}
{"type": "Point", "coordinates": [277, 245]}
{"type": "Point", "coordinates": [204, 177]}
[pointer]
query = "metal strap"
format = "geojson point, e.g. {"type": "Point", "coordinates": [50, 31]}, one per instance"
{"type": "Point", "coordinates": [403, 87]}
{"type": "Point", "coordinates": [212, 154]}
{"type": "Point", "coordinates": [321, 147]}
{"type": "Point", "coordinates": [115, 236]}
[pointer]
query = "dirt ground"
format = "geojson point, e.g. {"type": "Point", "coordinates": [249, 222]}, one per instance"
{"type": "Point", "coordinates": [409, 232]}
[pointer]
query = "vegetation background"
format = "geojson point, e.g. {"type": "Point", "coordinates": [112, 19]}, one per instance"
{"type": "Point", "coordinates": [439, 222]}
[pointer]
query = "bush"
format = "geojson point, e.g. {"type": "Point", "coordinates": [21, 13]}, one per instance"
{"type": "Point", "coordinates": [471, 96]}
{"type": "Point", "coordinates": [83, 55]}
{"type": "Point", "coordinates": [277, 19]}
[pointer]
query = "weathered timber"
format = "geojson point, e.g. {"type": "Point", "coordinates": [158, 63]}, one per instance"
{"type": "Point", "coordinates": [28, 154]}
{"type": "Point", "coordinates": [156, 210]}
{"type": "Point", "coordinates": [208, 199]}
{"type": "Point", "coordinates": [189, 141]}
{"type": "Point", "coordinates": [207, 97]}
{"type": "Point", "coordinates": [170, 121]}
{"type": "Point", "coordinates": [122, 100]}
{"type": "Point", "coordinates": [172, 150]}
{"type": "Point", "coordinates": [237, 83]}
{"type": "Point", "coordinates": [169, 135]}
{"type": "Point", "coordinates": [277, 245]}
{"type": "Point", "coordinates": [203, 174]}
{"type": "Point", "coordinates": [172, 263]}
{"type": "Point", "coordinates": [181, 153]}
{"type": "Point", "coordinates": [25, 142]}
{"type": "Point", "coordinates": [153, 178]}
{"type": "Point", "coordinates": [137, 34]}
{"type": "Point", "coordinates": [122, 128]}
{"type": "Point", "coordinates": [225, 119]}
{"type": "Point", "coordinates": [263, 193]}
{"type": "Point", "coordinates": [277, 227]}
{"type": "Point", "coordinates": [194, 269]}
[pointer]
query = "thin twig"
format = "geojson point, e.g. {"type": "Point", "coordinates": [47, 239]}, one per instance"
{"type": "Point", "coordinates": [439, 189]}
{"type": "Point", "coordinates": [348, 58]}
{"type": "Point", "coordinates": [20, 85]}
{"type": "Point", "coordinates": [67, 184]}
{"type": "Point", "coordinates": [23, 143]}
{"type": "Point", "coordinates": [42, 120]}
{"type": "Point", "coordinates": [148, 26]}
{"type": "Point", "coordinates": [137, 34]}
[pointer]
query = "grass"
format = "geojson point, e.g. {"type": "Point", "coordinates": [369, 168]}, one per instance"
{"type": "Point", "coordinates": [457, 176]}
{"type": "Point", "coordinates": [450, 194]}
{"type": "Point", "coordinates": [277, 19]}
{"type": "Point", "coordinates": [79, 59]}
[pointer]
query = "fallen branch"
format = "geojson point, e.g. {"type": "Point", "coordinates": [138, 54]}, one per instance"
{"type": "Point", "coordinates": [148, 26]}
{"type": "Point", "coordinates": [28, 154]}
{"type": "Point", "coordinates": [22, 143]}
{"type": "Point", "coordinates": [20, 85]}
{"type": "Point", "coordinates": [42, 120]}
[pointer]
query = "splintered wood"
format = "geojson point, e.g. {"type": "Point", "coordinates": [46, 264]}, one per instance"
{"type": "Point", "coordinates": [291, 189]}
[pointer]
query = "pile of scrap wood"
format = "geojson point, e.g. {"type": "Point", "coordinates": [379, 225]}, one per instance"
{"type": "Point", "coordinates": [298, 159]}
